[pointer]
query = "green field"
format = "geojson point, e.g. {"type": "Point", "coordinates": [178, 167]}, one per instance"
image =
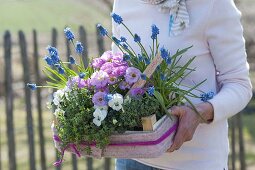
{"type": "Point", "coordinates": [45, 14]}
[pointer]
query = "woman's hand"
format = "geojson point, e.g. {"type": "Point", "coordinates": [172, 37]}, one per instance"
{"type": "Point", "coordinates": [188, 122]}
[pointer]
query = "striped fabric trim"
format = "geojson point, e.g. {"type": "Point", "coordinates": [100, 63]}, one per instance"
{"type": "Point", "coordinates": [179, 17]}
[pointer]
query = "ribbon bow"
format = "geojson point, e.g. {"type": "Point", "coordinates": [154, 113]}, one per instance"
{"type": "Point", "coordinates": [178, 14]}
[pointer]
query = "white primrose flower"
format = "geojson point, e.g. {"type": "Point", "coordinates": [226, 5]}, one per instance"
{"type": "Point", "coordinates": [116, 102]}
{"type": "Point", "coordinates": [99, 116]}
{"type": "Point", "coordinates": [101, 107]}
{"type": "Point", "coordinates": [66, 90]}
{"type": "Point", "coordinates": [59, 111]}
{"type": "Point", "coordinates": [57, 96]}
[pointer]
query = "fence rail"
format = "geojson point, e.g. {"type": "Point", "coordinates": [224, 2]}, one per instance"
{"type": "Point", "coordinates": [236, 122]}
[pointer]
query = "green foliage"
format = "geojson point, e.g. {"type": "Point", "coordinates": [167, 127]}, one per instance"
{"type": "Point", "coordinates": [130, 118]}
{"type": "Point", "coordinates": [76, 125]}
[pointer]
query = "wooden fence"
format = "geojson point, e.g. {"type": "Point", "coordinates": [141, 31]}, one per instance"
{"type": "Point", "coordinates": [236, 122]}
{"type": "Point", "coordinates": [29, 116]}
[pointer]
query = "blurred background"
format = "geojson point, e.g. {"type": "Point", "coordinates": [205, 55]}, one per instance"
{"type": "Point", "coordinates": [26, 28]}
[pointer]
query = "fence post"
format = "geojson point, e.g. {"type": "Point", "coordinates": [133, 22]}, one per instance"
{"type": "Point", "coordinates": [83, 40]}
{"type": "Point", "coordinates": [100, 43]}
{"type": "Point", "coordinates": [68, 53]}
{"type": "Point", "coordinates": [241, 142]}
{"type": "Point", "coordinates": [233, 142]}
{"type": "Point", "coordinates": [101, 49]}
{"type": "Point", "coordinates": [9, 100]}
{"type": "Point", "coordinates": [26, 77]}
{"type": "Point", "coordinates": [39, 103]}
{"type": "Point", "coordinates": [54, 36]}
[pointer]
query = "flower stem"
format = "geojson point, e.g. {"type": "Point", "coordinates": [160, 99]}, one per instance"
{"type": "Point", "coordinates": [139, 43]}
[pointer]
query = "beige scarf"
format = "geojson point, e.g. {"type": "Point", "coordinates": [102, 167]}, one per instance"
{"type": "Point", "coordinates": [179, 16]}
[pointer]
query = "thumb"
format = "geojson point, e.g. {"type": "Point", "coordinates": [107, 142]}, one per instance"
{"type": "Point", "coordinates": [175, 110]}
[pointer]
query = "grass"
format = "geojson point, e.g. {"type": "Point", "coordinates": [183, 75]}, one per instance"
{"type": "Point", "coordinates": [45, 14]}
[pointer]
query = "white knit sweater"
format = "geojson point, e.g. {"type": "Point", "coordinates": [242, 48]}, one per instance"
{"type": "Point", "coordinates": [217, 37]}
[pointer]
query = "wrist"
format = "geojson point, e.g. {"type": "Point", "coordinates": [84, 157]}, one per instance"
{"type": "Point", "coordinates": [205, 110]}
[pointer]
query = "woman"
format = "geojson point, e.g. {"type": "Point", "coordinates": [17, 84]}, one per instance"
{"type": "Point", "coordinates": [213, 28]}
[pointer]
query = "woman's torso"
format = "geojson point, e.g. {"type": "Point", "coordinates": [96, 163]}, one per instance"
{"type": "Point", "coordinates": [209, 146]}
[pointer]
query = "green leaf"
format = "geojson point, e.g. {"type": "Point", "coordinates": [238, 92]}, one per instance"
{"type": "Point", "coordinates": [55, 73]}
{"type": "Point", "coordinates": [160, 99]}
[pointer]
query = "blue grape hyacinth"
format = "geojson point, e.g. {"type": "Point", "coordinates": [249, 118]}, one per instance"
{"type": "Point", "coordinates": [48, 60]}
{"type": "Point", "coordinates": [32, 86]}
{"type": "Point", "coordinates": [164, 53]}
{"type": "Point", "coordinates": [143, 76]}
{"type": "Point", "coordinates": [82, 75]}
{"type": "Point", "coordinates": [140, 57]}
{"type": "Point", "coordinates": [71, 60]}
{"type": "Point", "coordinates": [154, 31]}
{"type": "Point", "coordinates": [151, 90]}
{"type": "Point", "coordinates": [79, 47]}
{"type": "Point", "coordinates": [137, 38]}
{"type": "Point", "coordinates": [118, 19]}
{"type": "Point", "coordinates": [53, 55]}
{"type": "Point", "coordinates": [125, 46]}
{"type": "Point", "coordinates": [123, 39]}
{"type": "Point", "coordinates": [126, 57]}
{"type": "Point", "coordinates": [116, 40]}
{"type": "Point", "coordinates": [207, 96]}
{"type": "Point", "coordinates": [102, 30]}
{"type": "Point", "coordinates": [69, 34]}
{"type": "Point", "coordinates": [61, 70]}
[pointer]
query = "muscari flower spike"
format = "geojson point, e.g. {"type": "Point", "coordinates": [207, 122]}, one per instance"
{"type": "Point", "coordinates": [61, 70]}
{"type": "Point", "coordinates": [151, 90]}
{"type": "Point", "coordinates": [53, 54]}
{"type": "Point", "coordinates": [143, 76]}
{"type": "Point", "coordinates": [169, 60]}
{"type": "Point", "coordinates": [82, 75]}
{"type": "Point", "coordinates": [69, 34]}
{"type": "Point", "coordinates": [207, 96]}
{"type": "Point", "coordinates": [137, 38]}
{"type": "Point", "coordinates": [164, 53]}
{"type": "Point", "coordinates": [126, 57]}
{"type": "Point", "coordinates": [108, 97]}
{"type": "Point", "coordinates": [123, 39]}
{"type": "Point", "coordinates": [154, 31]}
{"type": "Point", "coordinates": [147, 61]}
{"type": "Point", "coordinates": [117, 18]}
{"type": "Point", "coordinates": [125, 46]}
{"type": "Point", "coordinates": [48, 60]}
{"type": "Point", "coordinates": [116, 40]}
{"type": "Point", "coordinates": [32, 86]}
{"type": "Point", "coordinates": [71, 60]}
{"type": "Point", "coordinates": [140, 57]}
{"type": "Point", "coordinates": [102, 30]}
{"type": "Point", "coordinates": [79, 47]}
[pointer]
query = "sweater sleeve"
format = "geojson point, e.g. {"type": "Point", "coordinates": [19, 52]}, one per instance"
{"type": "Point", "coordinates": [224, 36]}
